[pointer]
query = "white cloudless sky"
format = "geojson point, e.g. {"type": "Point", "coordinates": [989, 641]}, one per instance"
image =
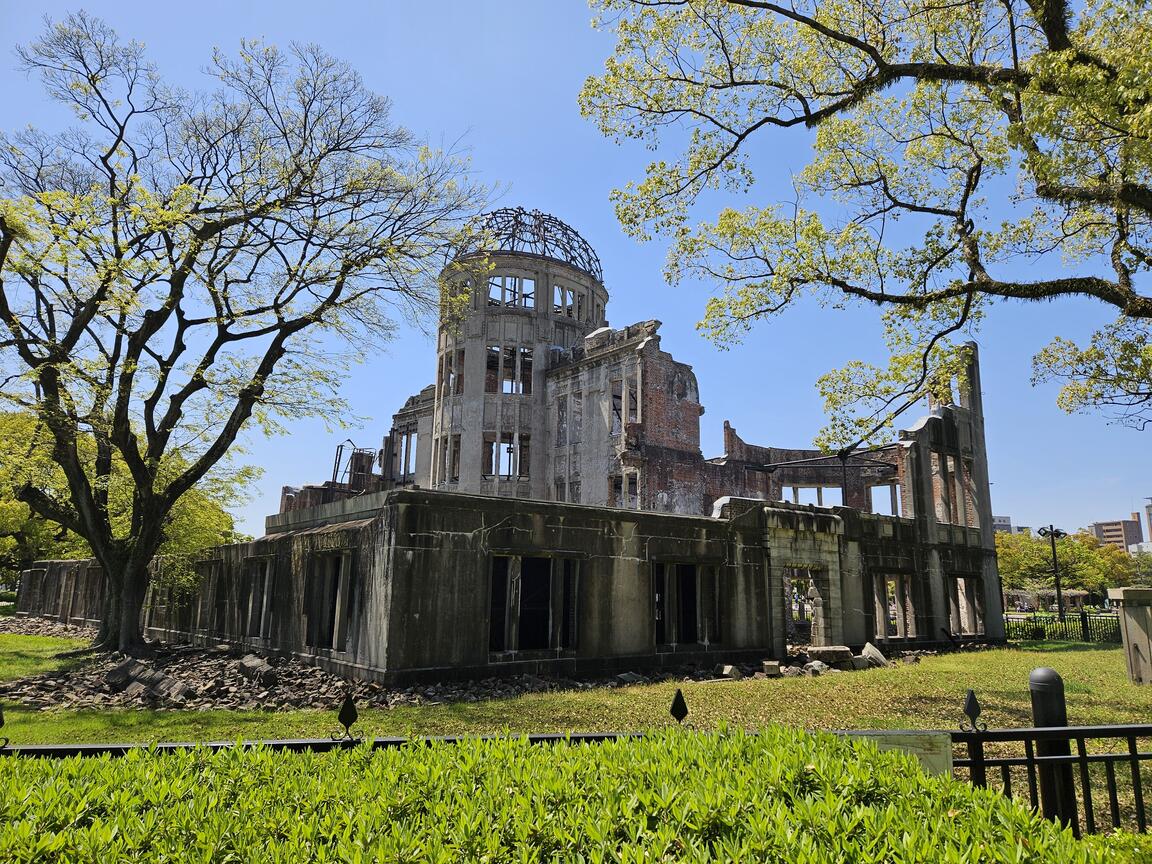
{"type": "Point", "coordinates": [499, 78]}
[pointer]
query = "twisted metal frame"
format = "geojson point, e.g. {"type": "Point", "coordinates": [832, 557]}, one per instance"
{"type": "Point", "coordinates": [514, 229]}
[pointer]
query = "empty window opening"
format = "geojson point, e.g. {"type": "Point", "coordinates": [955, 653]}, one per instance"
{"type": "Point", "coordinates": [942, 488]}
{"type": "Point", "coordinates": [492, 369]}
{"type": "Point", "coordinates": [407, 453]}
{"type": "Point", "coordinates": [580, 306]}
{"type": "Point", "coordinates": [458, 370]}
{"type": "Point", "coordinates": [965, 605]}
{"type": "Point", "coordinates": [821, 496]}
{"type": "Point", "coordinates": [687, 610]}
{"type": "Point", "coordinates": [885, 500]}
{"type": "Point", "coordinates": [256, 596]}
{"type": "Point", "coordinates": [569, 623]}
{"type": "Point", "coordinates": [617, 396]}
{"type": "Point", "coordinates": [495, 291]}
{"type": "Point", "coordinates": [895, 607]}
{"type": "Point", "coordinates": [625, 491]}
{"type": "Point", "coordinates": [329, 588]}
{"type": "Point", "coordinates": [505, 456]}
{"type": "Point", "coordinates": [561, 493]}
{"type": "Point", "coordinates": [633, 404]}
{"type": "Point", "coordinates": [535, 621]}
{"type": "Point", "coordinates": [565, 301]}
{"type": "Point", "coordinates": [454, 459]}
{"type": "Point", "coordinates": [525, 371]}
{"type": "Point", "coordinates": [533, 603]}
{"type": "Point", "coordinates": [528, 293]}
{"type": "Point", "coordinates": [508, 382]}
{"type": "Point", "coordinates": [685, 604]}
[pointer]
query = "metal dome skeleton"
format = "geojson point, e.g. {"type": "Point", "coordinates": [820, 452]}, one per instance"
{"type": "Point", "coordinates": [531, 232]}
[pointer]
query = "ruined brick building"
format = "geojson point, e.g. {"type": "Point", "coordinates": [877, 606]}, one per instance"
{"type": "Point", "coordinates": [545, 503]}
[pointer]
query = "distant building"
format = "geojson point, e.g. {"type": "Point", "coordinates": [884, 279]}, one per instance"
{"type": "Point", "coordinates": [1140, 547]}
{"type": "Point", "coordinates": [1122, 533]}
{"type": "Point", "coordinates": [1003, 525]}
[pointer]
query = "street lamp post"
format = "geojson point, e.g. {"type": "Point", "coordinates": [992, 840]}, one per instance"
{"type": "Point", "coordinates": [1053, 534]}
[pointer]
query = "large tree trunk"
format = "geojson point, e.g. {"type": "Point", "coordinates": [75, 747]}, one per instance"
{"type": "Point", "coordinates": [126, 567]}
{"type": "Point", "coordinates": [130, 633]}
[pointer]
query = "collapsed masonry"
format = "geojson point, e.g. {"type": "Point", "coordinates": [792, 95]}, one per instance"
{"type": "Point", "coordinates": [545, 504]}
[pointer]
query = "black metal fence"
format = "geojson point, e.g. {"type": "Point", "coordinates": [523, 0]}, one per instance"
{"type": "Point", "coordinates": [1076, 627]}
{"type": "Point", "coordinates": [1101, 783]}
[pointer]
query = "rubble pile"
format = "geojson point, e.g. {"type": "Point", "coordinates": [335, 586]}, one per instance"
{"type": "Point", "coordinates": [226, 677]}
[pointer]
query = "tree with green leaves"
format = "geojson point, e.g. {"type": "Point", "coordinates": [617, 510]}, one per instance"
{"type": "Point", "coordinates": [199, 520]}
{"type": "Point", "coordinates": [1025, 563]}
{"type": "Point", "coordinates": [965, 155]}
{"type": "Point", "coordinates": [181, 266]}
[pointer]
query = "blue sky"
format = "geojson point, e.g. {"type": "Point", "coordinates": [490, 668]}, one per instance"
{"type": "Point", "coordinates": [500, 78]}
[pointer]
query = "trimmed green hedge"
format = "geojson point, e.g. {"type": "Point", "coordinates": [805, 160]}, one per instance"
{"type": "Point", "coordinates": [780, 796]}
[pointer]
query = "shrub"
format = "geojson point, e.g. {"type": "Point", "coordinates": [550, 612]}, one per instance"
{"type": "Point", "coordinates": [780, 796]}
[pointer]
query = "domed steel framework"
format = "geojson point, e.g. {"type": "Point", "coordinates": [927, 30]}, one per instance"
{"type": "Point", "coordinates": [514, 229]}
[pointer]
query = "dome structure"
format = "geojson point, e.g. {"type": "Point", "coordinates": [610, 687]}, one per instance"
{"type": "Point", "coordinates": [531, 232]}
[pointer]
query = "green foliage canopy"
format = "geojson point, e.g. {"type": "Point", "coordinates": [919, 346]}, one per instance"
{"type": "Point", "coordinates": [200, 518]}
{"type": "Point", "coordinates": [1025, 562]}
{"type": "Point", "coordinates": [182, 266]}
{"type": "Point", "coordinates": [956, 147]}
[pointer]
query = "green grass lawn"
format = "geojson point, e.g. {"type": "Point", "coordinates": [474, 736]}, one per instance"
{"type": "Point", "coordinates": [927, 695]}
{"type": "Point", "coordinates": [21, 656]}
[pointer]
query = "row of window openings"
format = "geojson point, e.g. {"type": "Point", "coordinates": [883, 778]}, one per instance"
{"type": "Point", "coordinates": [508, 369]}
{"type": "Point", "coordinates": [506, 455]}
{"type": "Point", "coordinates": [533, 604]}
{"type": "Point", "coordinates": [328, 608]}
{"type": "Point", "coordinates": [883, 500]}
{"type": "Point", "coordinates": [520, 292]}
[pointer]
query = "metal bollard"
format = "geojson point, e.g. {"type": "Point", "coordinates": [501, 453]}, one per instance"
{"type": "Point", "coordinates": [1057, 792]}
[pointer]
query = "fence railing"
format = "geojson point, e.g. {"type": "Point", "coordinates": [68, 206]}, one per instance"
{"type": "Point", "coordinates": [1102, 781]}
{"type": "Point", "coordinates": [1103, 775]}
{"type": "Point", "coordinates": [1076, 627]}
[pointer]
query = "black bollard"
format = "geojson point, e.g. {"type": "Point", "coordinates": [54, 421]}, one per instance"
{"type": "Point", "coordinates": [1057, 792]}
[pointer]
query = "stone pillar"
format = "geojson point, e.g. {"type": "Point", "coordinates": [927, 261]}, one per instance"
{"type": "Point", "coordinates": [1135, 630]}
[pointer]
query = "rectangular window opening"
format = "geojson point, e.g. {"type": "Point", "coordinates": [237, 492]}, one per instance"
{"type": "Point", "coordinates": [492, 369]}
{"type": "Point", "coordinates": [535, 619]}
{"type": "Point", "coordinates": [508, 382]}
{"type": "Point", "coordinates": [885, 500]}
{"type": "Point", "coordinates": [454, 459]}
{"type": "Point", "coordinates": [525, 371]}
{"type": "Point", "coordinates": [616, 421]}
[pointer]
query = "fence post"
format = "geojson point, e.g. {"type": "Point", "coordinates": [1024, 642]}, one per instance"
{"type": "Point", "coordinates": [1084, 626]}
{"type": "Point", "coordinates": [1057, 792]}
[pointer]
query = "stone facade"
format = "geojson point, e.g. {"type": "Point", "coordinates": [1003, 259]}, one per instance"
{"type": "Point", "coordinates": [544, 505]}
